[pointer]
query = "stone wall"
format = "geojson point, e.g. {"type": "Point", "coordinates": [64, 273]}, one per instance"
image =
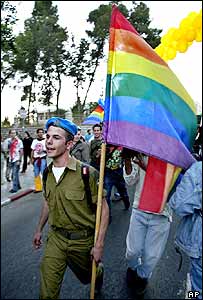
{"type": "Point", "coordinates": [32, 130]}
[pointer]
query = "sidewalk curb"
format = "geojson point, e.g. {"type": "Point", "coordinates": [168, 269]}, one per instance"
{"type": "Point", "coordinates": [16, 196]}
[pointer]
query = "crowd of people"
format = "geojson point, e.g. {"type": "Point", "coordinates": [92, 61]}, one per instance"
{"type": "Point", "coordinates": [68, 195]}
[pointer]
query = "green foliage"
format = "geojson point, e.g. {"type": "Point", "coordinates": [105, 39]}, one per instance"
{"type": "Point", "coordinates": [8, 20]}
{"type": "Point", "coordinates": [6, 122]}
{"type": "Point", "coordinates": [41, 53]}
{"type": "Point", "coordinates": [100, 19]}
{"type": "Point", "coordinates": [140, 18]}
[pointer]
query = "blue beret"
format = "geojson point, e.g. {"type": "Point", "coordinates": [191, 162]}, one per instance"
{"type": "Point", "coordinates": [62, 123]}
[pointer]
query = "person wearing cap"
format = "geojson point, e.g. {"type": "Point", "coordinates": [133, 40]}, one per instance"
{"type": "Point", "coordinates": [70, 241]}
{"type": "Point", "coordinates": [80, 149]}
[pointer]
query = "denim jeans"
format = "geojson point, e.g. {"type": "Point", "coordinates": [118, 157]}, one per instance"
{"type": "Point", "coordinates": [196, 275]}
{"type": "Point", "coordinates": [39, 169]}
{"type": "Point", "coordinates": [146, 241]}
{"type": "Point", "coordinates": [114, 178]}
{"type": "Point", "coordinates": [15, 166]}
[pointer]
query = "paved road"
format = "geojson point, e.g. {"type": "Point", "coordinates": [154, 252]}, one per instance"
{"type": "Point", "coordinates": [20, 263]}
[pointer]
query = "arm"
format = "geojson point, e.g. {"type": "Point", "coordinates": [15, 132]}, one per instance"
{"type": "Point", "coordinates": [97, 250]}
{"type": "Point", "coordinates": [37, 239]}
{"type": "Point", "coordinates": [139, 160]}
{"type": "Point", "coordinates": [130, 172]}
{"type": "Point", "coordinates": [188, 195]}
{"type": "Point", "coordinates": [32, 156]}
{"type": "Point", "coordinates": [21, 153]}
{"type": "Point", "coordinates": [85, 153]}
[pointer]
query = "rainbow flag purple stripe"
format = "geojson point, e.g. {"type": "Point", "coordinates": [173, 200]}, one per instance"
{"type": "Point", "coordinates": [146, 107]}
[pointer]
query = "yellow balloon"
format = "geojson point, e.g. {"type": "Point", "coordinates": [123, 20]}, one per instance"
{"type": "Point", "coordinates": [192, 15]}
{"type": "Point", "coordinates": [184, 23]}
{"type": "Point", "coordinates": [174, 44]}
{"type": "Point", "coordinates": [171, 31]}
{"type": "Point", "coordinates": [179, 39]}
{"type": "Point", "coordinates": [165, 40]}
{"type": "Point", "coordinates": [190, 36]}
{"type": "Point", "coordinates": [177, 35]}
{"type": "Point", "coordinates": [198, 37]}
{"type": "Point", "coordinates": [171, 54]}
{"type": "Point", "coordinates": [159, 50]}
{"type": "Point", "coordinates": [191, 18]}
{"type": "Point", "coordinates": [182, 46]}
{"type": "Point", "coordinates": [198, 21]}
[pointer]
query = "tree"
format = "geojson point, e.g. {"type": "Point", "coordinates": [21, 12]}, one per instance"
{"type": "Point", "coordinates": [100, 19]}
{"type": "Point", "coordinates": [41, 54]}
{"type": "Point", "coordinates": [140, 18]}
{"type": "Point", "coordinates": [6, 122]}
{"type": "Point", "coordinates": [54, 56]}
{"type": "Point", "coordinates": [8, 20]}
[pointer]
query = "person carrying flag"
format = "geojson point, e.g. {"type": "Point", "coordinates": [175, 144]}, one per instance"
{"type": "Point", "coordinates": [70, 241]}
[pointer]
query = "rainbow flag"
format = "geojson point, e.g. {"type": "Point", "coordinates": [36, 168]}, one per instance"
{"type": "Point", "coordinates": [146, 108]}
{"type": "Point", "coordinates": [97, 114]}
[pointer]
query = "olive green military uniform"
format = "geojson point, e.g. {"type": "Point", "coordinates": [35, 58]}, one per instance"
{"type": "Point", "coordinates": [72, 224]}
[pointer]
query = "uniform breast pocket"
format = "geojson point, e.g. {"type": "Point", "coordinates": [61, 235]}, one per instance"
{"type": "Point", "coordinates": [75, 195]}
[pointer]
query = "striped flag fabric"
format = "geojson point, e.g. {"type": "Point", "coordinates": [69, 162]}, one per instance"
{"type": "Point", "coordinates": [147, 109]}
{"type": "Point", "coordinates": [97, 115]}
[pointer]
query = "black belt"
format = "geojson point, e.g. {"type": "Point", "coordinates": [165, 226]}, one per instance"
{"type": "Point", "coordinates": [73, 235]}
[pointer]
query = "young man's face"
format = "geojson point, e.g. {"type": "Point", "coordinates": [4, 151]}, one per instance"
{"type": "Point", "coordinates": [40, 134]}
{"type": "Point", "coordinates": [77, 136]}
{"type": "Point", "coordinates": [56, 144]}
{"type": "Point", "coordinates": [13, 134]}
{"type": "Point", "coordinates": [97, 132]}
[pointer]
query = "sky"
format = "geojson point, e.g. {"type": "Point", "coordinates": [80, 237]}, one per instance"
{"type": "Point", "coordinates": [73, 14]}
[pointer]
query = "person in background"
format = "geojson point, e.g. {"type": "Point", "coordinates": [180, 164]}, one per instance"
{"type": "Point", "coordinates": [6, 145]}
{"type": "Point", "coordinates": [88, 135]}
{"type": "Point", "coordinates": [15, 158]}
{"type": "Point", "coordinates": [95, 146]}
{"type": "Point", "coordinates": [2, 160]}
{"type": "Point", "coordinates": [113, 176]}
{"type": "Point", "coordinates": [197, 147]}
{"type": "Point", "coordinates": [80, 149]}
{"type": "Point", "coordinates": [70, 241]}
{"type": "Point", "coordinates": [187, 203]}
{"type": "Point", "coordinates": [148, 232]}
{"type": "Point", "coordinates": [27, 142]}
{"type": "Point", "coordinates": [38, 158]}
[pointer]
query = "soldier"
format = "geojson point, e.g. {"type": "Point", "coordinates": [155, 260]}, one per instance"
{"type": "Point", "coordinates": [71, 219]}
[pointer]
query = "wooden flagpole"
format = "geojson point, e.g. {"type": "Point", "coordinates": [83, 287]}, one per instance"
{"type": "Point", "coordinates": [98, 215]}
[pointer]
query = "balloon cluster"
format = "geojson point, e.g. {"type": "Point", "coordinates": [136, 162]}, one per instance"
{"type": "Point", "coordinates": [179, 39]}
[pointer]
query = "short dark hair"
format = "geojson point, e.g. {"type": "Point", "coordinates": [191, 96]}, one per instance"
{"type": "Point", "coordinates": [97, 125]}
{"type": "Point", "coordinates": [27, 133]}
{"type": "Point", "coordinates": [69, 136]}
{"type": "Point", "coordinates": [40, 129]}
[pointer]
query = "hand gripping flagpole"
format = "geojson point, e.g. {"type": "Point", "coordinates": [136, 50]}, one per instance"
{"type": "Point", "coordinates": [98, 215]}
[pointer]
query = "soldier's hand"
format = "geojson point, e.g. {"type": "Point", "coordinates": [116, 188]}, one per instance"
{"type": "Point", "coordinates": [98, 153]}
{"type": "Point", "coordinates": [97, 252]}
{"type": "Point", "coordinates": [37, 240]}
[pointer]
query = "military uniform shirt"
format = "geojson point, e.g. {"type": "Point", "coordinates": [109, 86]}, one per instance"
{"type": "Point", "coordinates": [68, 207]}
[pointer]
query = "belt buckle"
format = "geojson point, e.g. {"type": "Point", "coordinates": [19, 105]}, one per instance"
{"type": "Point", "coordinates": [67, 234]}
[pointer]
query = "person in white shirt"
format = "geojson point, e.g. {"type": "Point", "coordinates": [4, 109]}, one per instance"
{"type": "Point", "coordinates": [148, 232]}
{"type": "Point", "coordinates": [15, 158]}
{"type": "Point", "coordinates": [38, 158]}
{"type": "Point", "coordinates": [6, 145]}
